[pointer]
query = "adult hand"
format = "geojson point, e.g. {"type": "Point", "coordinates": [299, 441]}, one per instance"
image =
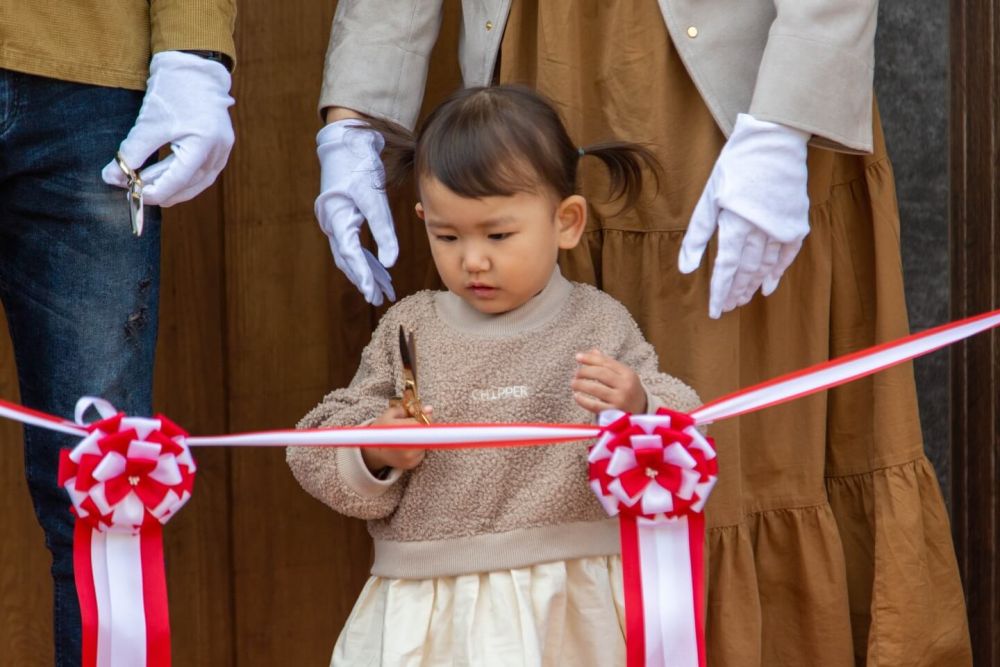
{"type": "Point", "coordinates": [186, 106]}
{"type": "Point", "coordinates": [757, 199]}
{"type": "Point", "coordinates": [602, 383]}
{"type": "Point", "coordinates": [351, 179]}
{"type": "Point", "coordinates": [377, 458]}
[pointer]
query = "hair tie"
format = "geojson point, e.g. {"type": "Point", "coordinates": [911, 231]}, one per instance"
{"type": "Point", "coordinates": [581, 151]}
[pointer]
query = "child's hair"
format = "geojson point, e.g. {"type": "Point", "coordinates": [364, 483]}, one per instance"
{"type": "Point", "coordinates": [500, 140]}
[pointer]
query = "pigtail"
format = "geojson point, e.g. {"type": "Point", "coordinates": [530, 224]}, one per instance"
{"type": "Point", "coordinates": [398, 154]}
{"type": "Point", "coordinates": [625, 162]}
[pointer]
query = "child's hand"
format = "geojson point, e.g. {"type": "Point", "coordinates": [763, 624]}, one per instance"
{"type": "Point", "coordinates": [602, 383]}
{"type": "Point", "coordinates": [377, 458]}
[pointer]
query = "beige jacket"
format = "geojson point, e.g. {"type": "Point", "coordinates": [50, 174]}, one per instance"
{"type": "Point", "coordinates": [108, 42]}
{"type": "Point", "coordinates": [482, 510]}
{"type": "Point", "coordinates": [803, 63]}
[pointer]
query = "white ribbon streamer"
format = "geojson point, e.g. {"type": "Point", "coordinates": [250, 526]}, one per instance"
{"type": "Point", "coordinates": [128, 613]}
{"type": "Point", "coordinates": [99, 567]}
{"type": "Point", "coordinates": [668, 593]}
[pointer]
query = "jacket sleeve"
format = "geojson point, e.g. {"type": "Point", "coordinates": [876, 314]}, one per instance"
{"type": "Point", "coordinates": [377, 59]}
{"type": "Point", "coordinates": [338, 476]}
{"type": "Point", "coordinates": [817, 71]}
{"type": "Point", "coordinates": [201, 25]}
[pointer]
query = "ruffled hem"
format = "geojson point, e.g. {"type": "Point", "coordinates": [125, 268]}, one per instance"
{"type": "Point", "coordinates": [777, 591]}
{"type": "Point", "coordinates": [869, 578]}
{"type": "Point", "coordinates": [906, 600]}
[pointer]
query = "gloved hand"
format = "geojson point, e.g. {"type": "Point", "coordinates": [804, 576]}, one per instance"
{"type": "Point", "coordinates": [186, 106]}
{"type": "Point", "coordinates": [756, 196]}
{"type": "Point", "coordinates": [351, 180]}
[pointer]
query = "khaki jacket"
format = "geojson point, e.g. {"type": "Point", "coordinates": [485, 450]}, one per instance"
{"type": "Point", "coordinates": [108, 42]}
{"type": "Point", "coordinates": [804, 63]}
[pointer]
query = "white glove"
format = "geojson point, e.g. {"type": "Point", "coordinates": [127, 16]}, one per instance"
{"type": "Point", "coordinates": [186, 106]}
{"type": "Point", "coordinates": [756, 195]}
{"type": "Point", "coordinates": [351, 181]}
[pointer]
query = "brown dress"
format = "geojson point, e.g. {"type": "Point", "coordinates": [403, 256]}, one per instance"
{"type": "Point", "coordinates": [829, 542]}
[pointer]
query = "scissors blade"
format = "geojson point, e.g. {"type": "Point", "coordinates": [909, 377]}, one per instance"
{"type": "Point", "coordinates": [134, 194]}
{"type": "Point", "coordinates": [405, 353]}
{"type": "Point", "coordinates": [411, 397]}
{"type": "Point", "coordinates": [135, 207]}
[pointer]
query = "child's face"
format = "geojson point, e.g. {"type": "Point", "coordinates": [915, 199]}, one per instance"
{"type": "Point", "coordinates": [498, 252]}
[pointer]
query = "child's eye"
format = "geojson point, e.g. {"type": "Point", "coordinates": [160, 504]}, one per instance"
{"type": "Point", "coordinates": [446, 238]}
{"type": "Point", "coordinates": [499, 236]}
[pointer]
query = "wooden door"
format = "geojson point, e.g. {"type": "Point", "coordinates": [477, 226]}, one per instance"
{"type": "Point", "coordinates": [975, 261]}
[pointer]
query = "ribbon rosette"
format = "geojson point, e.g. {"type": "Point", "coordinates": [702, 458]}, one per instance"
{"type": "Point", "coordinates": [652, 466]}
{"type": "Point", "coordinates": [126, 477]}
{"type": "Point", "coordinates": [656, 472]}
{"type": "Point", "coordinates": [127, 471]}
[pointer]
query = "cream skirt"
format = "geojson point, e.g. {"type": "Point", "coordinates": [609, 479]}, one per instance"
{"type": "Point", "coordinates": [553, 614]}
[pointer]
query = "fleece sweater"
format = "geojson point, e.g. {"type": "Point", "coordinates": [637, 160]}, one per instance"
{"type": "Point", "coordinates": [482, 510]}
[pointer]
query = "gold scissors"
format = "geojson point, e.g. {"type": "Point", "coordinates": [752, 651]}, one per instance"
{"type": "Point", "coordinates": [411, 397]}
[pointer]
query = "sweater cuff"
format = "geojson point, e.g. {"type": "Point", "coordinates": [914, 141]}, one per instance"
{"type": "Point", "coordinates": [193, 25]}
{"type": "Point", "coordinates": [352, 469]}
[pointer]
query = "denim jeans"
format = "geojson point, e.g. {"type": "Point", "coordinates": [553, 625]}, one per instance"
{"type": "Point", "coordinates": [79, 290]}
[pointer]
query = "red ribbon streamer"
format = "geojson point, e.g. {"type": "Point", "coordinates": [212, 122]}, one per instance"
{"type": "Point", "coordinates": [154, 595]}
{"type": "Point", "coordinates": [696, 523]}
{"type": "Point", "coordinates": [83, 573]}
{"type": "Point", "coordinates": [635, 623]}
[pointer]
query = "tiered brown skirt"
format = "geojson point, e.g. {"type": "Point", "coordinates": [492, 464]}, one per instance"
{"type": "Point", "coordinates": [829, 541]}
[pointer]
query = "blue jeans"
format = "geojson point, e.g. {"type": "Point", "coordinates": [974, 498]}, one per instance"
{"type": "Point", "coordinates": [79, 290]}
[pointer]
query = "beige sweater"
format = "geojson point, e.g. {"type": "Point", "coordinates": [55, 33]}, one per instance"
{"type": "Point", "coordinates": [463, 511]}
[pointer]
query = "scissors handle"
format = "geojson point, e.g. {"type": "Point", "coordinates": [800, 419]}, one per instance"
{"type": "Point", "coordinates": [413, 406]}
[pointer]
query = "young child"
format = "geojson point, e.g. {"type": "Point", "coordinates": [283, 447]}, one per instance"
{"type": "Point", "coordinates": [491, 556]}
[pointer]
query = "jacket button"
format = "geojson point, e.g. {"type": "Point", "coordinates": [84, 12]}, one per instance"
{"type": "Point", "coordinates": [489, 25]}
{"type": "Point", "coordinates": [692, 32]}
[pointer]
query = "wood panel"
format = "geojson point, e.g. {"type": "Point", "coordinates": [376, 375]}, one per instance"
{"type": "Point", "coordinates": [189, 387]}
{"type": "Point", "coordinates": [296, 330]}
{"type": "Point", "coordinates": [975, 212]}
{"type": "Point", "coordinates": [284, 307]}
{"type": "Point", "coordinates": [25, 585]}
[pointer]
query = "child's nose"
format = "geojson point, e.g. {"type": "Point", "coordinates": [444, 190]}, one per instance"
{"type": "Point", "coordinates": [475, 261]}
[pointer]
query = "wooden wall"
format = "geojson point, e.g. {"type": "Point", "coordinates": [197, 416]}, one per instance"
{"type": "Point", "coordinates": [256, 326]}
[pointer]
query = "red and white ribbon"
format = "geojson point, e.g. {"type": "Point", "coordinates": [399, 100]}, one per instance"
{"type": "Point", "coordinates": [126, 477]}
{"type": "Point", "coordinates": [129, 475]}
{"type": "Point", "coordinates": [433, 436]}
{"type": "Point", "coordinates": [656, 472]}
{"type": "Point", "coordinates": [843, 369]}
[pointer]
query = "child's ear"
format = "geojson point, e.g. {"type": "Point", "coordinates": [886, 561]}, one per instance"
{"type": "Point", "coordinates": [419, 208]}
{"type": "Point", "coordinates": [571, 217]}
